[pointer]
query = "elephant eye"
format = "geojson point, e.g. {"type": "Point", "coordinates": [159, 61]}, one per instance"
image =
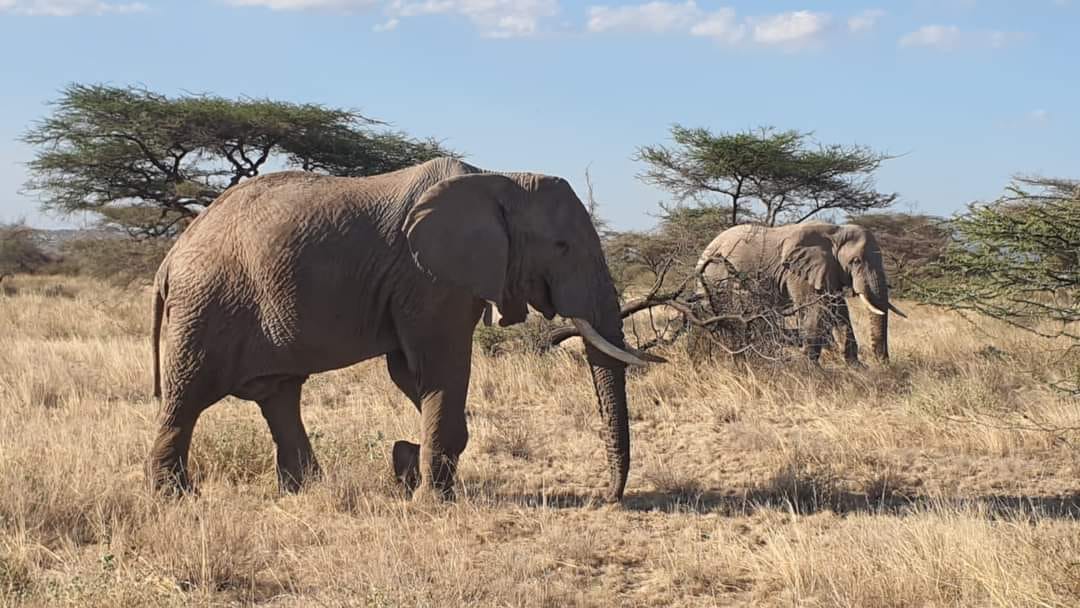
{"type": "Point", "coordinates": [856, 261]}
{"type": "Point", "coordinates": [563, 247]}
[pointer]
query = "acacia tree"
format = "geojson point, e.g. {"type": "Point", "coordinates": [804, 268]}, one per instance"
{"type": "Point", "coordinates": [768, 175]}
{"type": "Point", "coordinates": [1017, 259]}
{"type": "Point", "coordinates": [149, 163]}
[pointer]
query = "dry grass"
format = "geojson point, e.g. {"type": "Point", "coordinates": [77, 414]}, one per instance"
{"type": "Point", "coordinates": [949, 478]}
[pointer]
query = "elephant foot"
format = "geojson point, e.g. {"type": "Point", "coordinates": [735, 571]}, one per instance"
{"type": "Point", "coordinates": [438, 477]}
{"type": "Point", "coordinates": [812, 349]}
{"type": "Point", "coordinates": [169, 482]}
{"type": "Point", "coordinates": [429, 494]}
{"type": "Point", "coordinates": [406, 459]}
{"type": "Point", "coordinates": [292, 479]}
{"type": "Point", "coordinates": [855, 364]}
{"type": "Point", "coordinates": [166, 465]}
{"type": "Point", "coordinates": [439, 485]}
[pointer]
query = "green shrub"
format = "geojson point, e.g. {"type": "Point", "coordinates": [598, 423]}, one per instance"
{"type": "Point", "coordinates": [20, 252]}
{"type": "Point", "coordinates": [1017, 258]}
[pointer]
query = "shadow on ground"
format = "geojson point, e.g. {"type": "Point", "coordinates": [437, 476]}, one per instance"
{"type": "Point", "coordinates": [736, 503]}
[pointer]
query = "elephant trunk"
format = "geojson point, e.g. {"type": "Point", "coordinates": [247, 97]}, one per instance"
{"type": "Point", "coordinates": [608, 366]}
{"type": "Point", "coordinates": [879, 335]}
{"type": "Point", "coordinates": [875, 294]}
{"type": "Point", "coordinates": [610, 383]}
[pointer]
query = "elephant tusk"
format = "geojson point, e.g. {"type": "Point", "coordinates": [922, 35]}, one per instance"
{"type": "Point", "coordinates": [645, 356]}
{"type": "Point", "coordinates": [896, 310]}
{"type": "Point", "coordinates": [590, 335]}
{"type": "Point", "coordinates": [871, 307]}
{"type": "Point", "coordinates": [488, 307]}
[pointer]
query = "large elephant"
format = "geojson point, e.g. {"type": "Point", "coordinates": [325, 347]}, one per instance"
{"type": "Point", "coordinates": [294, 273]}
{"type": "Point", "coordinates": [808, 266]}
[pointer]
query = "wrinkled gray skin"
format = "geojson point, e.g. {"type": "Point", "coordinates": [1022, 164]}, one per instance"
{"type": "Point", "coordinates": [292, 274]}
{"type": "Point", "coordinates": [807, 261]}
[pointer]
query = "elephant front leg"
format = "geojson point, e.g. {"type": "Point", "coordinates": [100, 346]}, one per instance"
{"type": "Point", "coordinates": [813, 333]}
{"type": "Point", "coordinates": [432, 368]}
{"type": "Point", "coordinates": [850, 345]}
{"type": "Point", "coordinates": [439, 393]}
{"type": "Point", "coordinates": [406, 461]}
{"type": "Point", "coordinates": [443, 436]}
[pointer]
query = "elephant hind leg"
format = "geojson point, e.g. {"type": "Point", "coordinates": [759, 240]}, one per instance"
{"type": "Point", "coordinates": [295, 459]}
{"type": "Point", "coordinates": [167, 467]}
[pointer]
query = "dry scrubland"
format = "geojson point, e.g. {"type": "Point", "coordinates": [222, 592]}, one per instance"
{"type": "Point", "coordinates": [914, 485]}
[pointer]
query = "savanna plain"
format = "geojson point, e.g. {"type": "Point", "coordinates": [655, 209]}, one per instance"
{"type": "Point", "coordinates": [949, 477]}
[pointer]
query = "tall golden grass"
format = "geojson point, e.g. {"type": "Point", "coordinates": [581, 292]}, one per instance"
{"type": "Point", "coordinates": [948, 478]}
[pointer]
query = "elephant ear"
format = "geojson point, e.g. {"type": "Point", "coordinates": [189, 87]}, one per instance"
{"type": "Point", "coordinates": [815, 265]}
{"type": "Point", "coordinates": [457, 232]}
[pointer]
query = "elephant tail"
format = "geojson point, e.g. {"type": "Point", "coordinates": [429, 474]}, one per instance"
{"type": "Point", "coordinates": [155, 336]}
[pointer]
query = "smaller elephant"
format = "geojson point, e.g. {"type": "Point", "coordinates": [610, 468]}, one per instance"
{"type": "Point", "coordinates": [808, 266]}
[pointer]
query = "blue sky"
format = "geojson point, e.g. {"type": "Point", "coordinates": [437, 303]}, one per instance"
{"type": "Point", "coordinates": [969, 92]}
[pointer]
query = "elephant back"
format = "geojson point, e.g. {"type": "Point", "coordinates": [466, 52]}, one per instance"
{"type": "Point", "coordinates": [743, 248]}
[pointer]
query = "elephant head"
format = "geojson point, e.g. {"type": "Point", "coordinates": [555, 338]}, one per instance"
{"type": "Point", "coordinates": [833, 257]}
{"type": "Point", "coordinates": [524, 239]}
{"type": "Point", "coordinates": [859, 256]}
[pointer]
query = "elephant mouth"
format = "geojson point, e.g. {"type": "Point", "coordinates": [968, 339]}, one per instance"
{"type": "Point", "coordinates": [542, 300]}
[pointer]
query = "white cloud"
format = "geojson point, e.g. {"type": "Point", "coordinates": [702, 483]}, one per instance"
{"type": "Point", "coordinates": [654, 17]}
{"type": "Point", "coordinates": [951, 37]}
{"type": "Point", "coordinates": [721, 26]}
{"type": "Point", "coordinates": [865, 21]}
{"type": "Point", "coordinates": [1000, 40]}
{"type": "Point", "coordinates": [68, 8]}
{"type": "Point", "coordinates": [388, 25]}
{"type": "Point", "coordinates": [664, 17]}
{"type": "Point", "coordinates": [1039, 116]}
{"type": "Point", "coordinates": [344, 6]}
{"type": "Point", "coordinates": [496, 18]}
{"type": "Point", "coordinates": [944, 37]}
{"type": "Point", "coordinates": [794, 28]}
